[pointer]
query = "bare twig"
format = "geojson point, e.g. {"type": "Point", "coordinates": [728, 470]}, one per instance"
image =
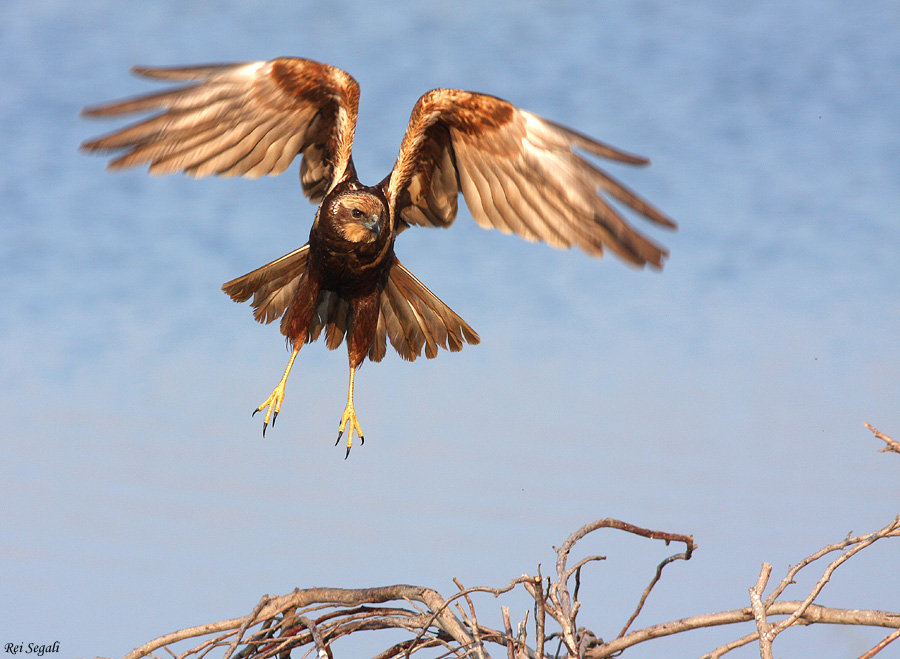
{"type": "Point", "coordinates": [568, 609]}
{"type": "Point", "coordinates": [577, 570]}
{"type": "Point", "coordinates": [891, 529]}
{"type": "Point", "coordinates": [522, 632]}
{"type": "Point", "coordinates": [733, 645]}
{"type": "Point", "coordinates": [439, 608]}
{"type": "Point", "coordinates": [322, 649]}
{"type": "Point", "coordinates": [766, 633]}
{"type": "Point", "coordinates": [656, 577]}
{"type": "Point", "coordinates": [249, 620]}
{"type": "Point", "coordinates": [881, 645]}
{"type": "Point", "coordinates": [893, 446]}
{"type": "Point", "coordinates": [507, 627]}
{"type": "Point", "coordinates": [479, 645]}
{"type": "Point", "coordinates": [813, 614]}
{"type": "Point", "coordinates": [763, 629]}
{"type": "Point", "coordinates": [540, 618]}
{"type": "Point", "coordinates": [405, 647]}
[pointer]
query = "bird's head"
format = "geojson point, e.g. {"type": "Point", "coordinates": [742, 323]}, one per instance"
{"type": "Point", "coordinates": [359, 216]}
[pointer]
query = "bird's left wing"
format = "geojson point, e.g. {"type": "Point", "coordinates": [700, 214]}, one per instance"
{"type": "Point", "coordinates": [518, 173]}
{"type": "Point", "coordinates": [249, 119]}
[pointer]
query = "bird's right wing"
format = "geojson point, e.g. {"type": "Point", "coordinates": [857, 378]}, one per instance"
{"type": "Point", "coordinates": [249, 119]}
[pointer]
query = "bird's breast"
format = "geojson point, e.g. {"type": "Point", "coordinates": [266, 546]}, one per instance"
{"type": "Point", "coordinates": [350, 269]}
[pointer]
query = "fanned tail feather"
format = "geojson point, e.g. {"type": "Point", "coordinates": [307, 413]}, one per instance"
{"type": "Point", "coordinates": [411, 316]}
{"type": "Point", "coordinates": [272, 286]}
{"type": "Point", "coordinates": [415, 318]}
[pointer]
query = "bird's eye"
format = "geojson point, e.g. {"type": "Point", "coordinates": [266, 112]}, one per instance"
{"type": "Point", "coordinates": [356, 213]}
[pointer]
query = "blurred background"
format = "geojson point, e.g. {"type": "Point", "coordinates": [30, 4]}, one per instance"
{"type": "Point", "coordinates": [723, 397]}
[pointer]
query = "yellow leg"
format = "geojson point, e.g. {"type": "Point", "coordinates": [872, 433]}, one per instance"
{"type": "Point", "coordinates": [273, 402]}
{"type": "Point", "coordinates": [348, 420]}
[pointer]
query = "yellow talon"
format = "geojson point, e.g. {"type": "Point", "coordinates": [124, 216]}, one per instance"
{"type": "Point", "coordinates": [273, 402]}
{"type": "Point", "coordinates": [349, 420]}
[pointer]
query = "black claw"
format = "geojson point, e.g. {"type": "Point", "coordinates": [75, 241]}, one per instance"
{"type": "Point", "coordinates": [264, 428]}
{"type": "Point", "coordinates": [340, 432]}
{"type": "Point", "coordinates": [347, 454]}
{"type": "Point", "coordinates": [362, 440]}
{"type": "Point", "coordinates": [254, 413]}
{"type": "Point", "coordinates": [274, 416]}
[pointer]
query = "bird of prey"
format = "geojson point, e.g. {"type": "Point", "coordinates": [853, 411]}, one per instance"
{"type": "Point", "coordinates": [517, 172]}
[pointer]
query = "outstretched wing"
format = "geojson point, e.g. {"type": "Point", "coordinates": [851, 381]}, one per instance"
{"type": "Point", "coordinates": [518, 173]}
{"type": "Point", "coordinates": [248, 119]}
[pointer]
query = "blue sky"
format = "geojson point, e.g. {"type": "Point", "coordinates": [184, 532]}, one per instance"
{"type": "Point", "coordinates": [723, 397]}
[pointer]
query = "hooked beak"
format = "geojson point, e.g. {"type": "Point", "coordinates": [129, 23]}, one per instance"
{"type": "Point", "coordinates": [373, 224]}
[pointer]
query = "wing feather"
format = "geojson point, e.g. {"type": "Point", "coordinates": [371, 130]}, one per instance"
{"type": "Point", "coordinates": [411, 336]}
{"type": "Point", "coordinates": [379, 345]}
{"type": "Point", "coordinates": [519, 173]}
{"type": "Point", "coordinates": [394, 329]}
{"type": "Point", "coordinates": [536, 206]}
{"type": "Point", "coordinates": [336, 321]}
{"type": "Point", "coordinates": [180, 72]}
{"type": "Point", "coordinates": [271, 286]}
{"type": "Point", "coordinates": [228, 153]}
{"type": "Point", "coordinates": [502, 188]}
{"type": "Point", "coordinates": [414, 318]}
{"type": "Point", "coordinates": [163, 155]}
{"type": "Point", "coordinates": [250, 119]}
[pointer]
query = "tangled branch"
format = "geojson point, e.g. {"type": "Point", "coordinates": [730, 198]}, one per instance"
{"type": "Point", "coordinates": [311, 620]}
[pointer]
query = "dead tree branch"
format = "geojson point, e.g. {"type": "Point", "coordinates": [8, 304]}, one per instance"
{"type": "Point", "coordinates": [892, 445]}
{"type": "Point", "coordinates": [313, 619]}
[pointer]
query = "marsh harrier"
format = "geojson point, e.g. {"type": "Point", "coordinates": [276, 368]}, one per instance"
{"type": "Point", "coordinates": [517, 172]}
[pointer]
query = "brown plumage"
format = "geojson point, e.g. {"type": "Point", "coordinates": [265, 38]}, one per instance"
{"type": "Point", "coordinates": [518, 173]}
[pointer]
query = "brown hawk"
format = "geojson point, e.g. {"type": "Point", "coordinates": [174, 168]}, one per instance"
{"type": "Point", "coordinates": [518, 173]}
